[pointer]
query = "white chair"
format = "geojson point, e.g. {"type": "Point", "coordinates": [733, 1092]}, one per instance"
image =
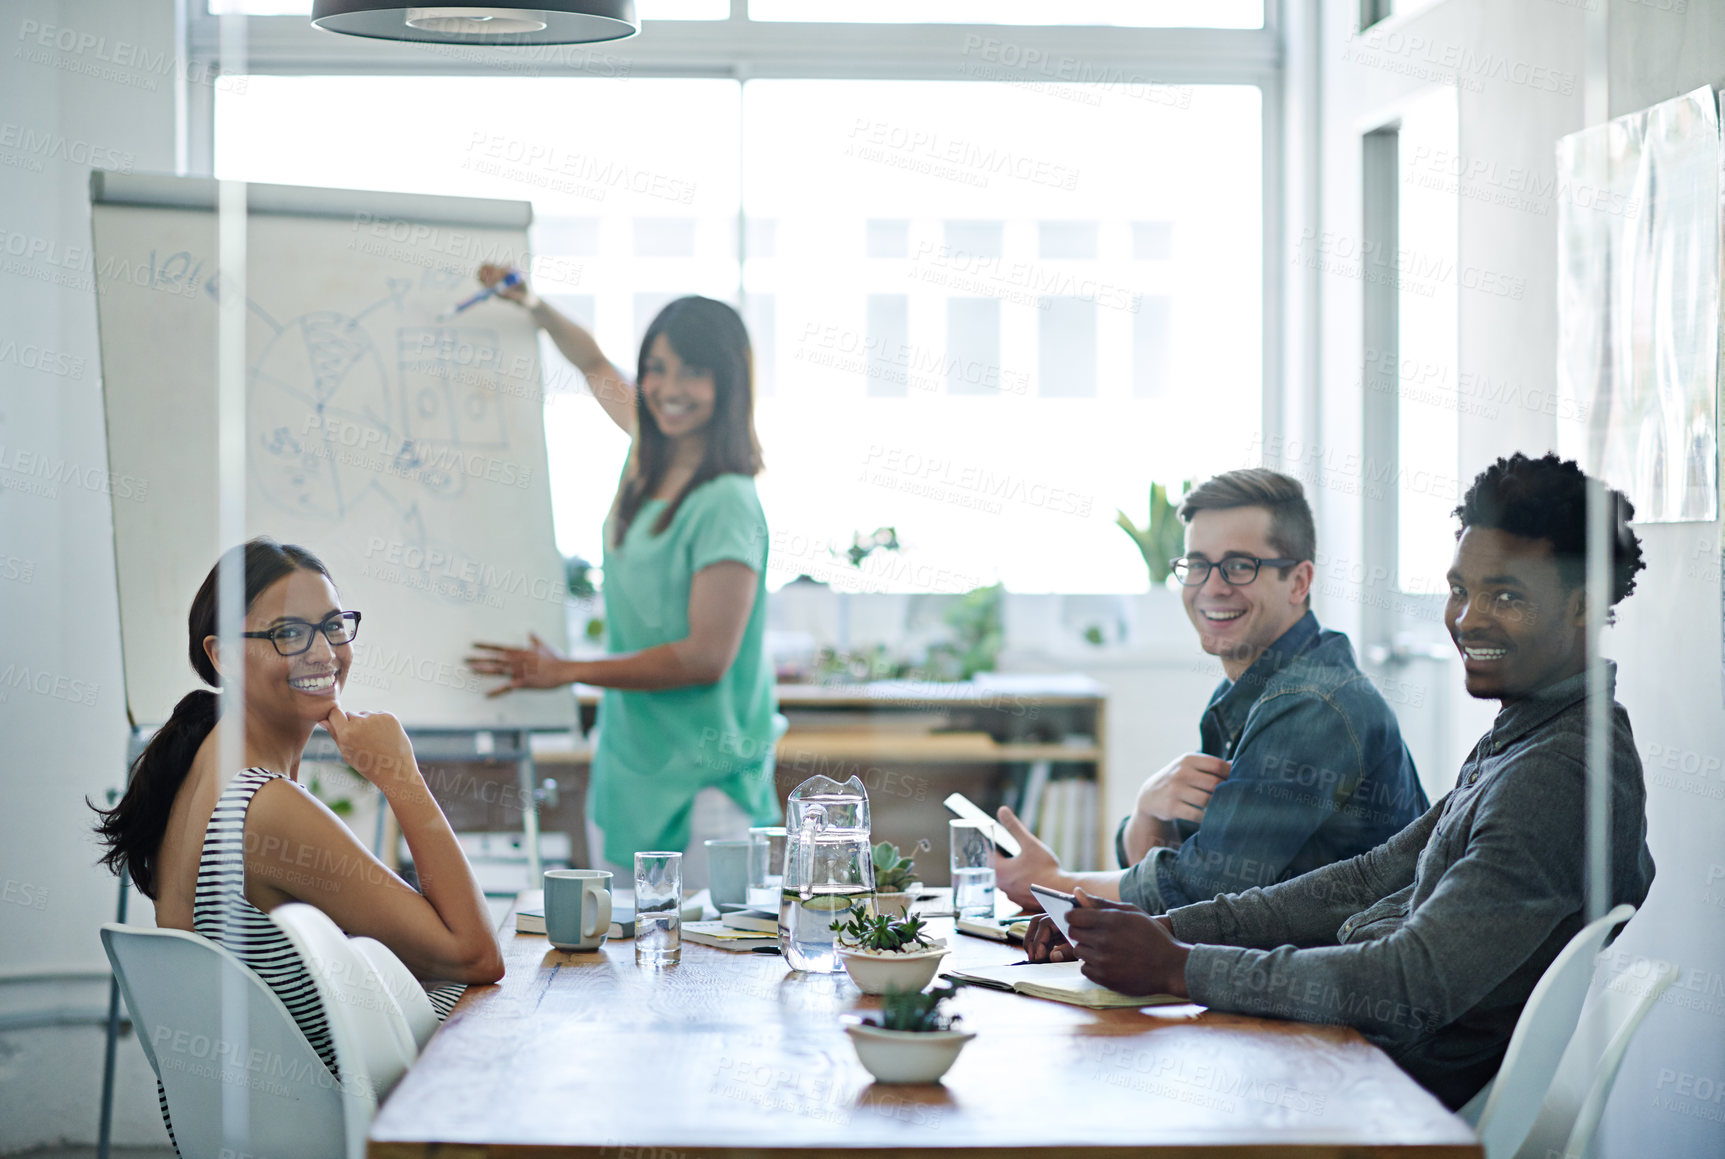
{"type": "Point", "coordinates": [1569, 1117]}
{"type": "Point", "coordinates": [369, 1031]}
{"type": "Point", "coordinates": [420, 1015]}
{"type": "Point", "coordinates": [239, 1075]}
{"type": "Point", "coordinates": [1504, 1111]}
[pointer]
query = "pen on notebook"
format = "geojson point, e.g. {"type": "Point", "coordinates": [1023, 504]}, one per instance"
{"type": "Point", "coordinates": [508, 281]}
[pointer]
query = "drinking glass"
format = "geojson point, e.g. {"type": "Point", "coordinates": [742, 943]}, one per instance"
{"type": "Point", "coordinates": [766, 867]}
{"type": "Point", "coordinates": [972, 869]}
{"type": "Point", "coordinates": [658, 908]}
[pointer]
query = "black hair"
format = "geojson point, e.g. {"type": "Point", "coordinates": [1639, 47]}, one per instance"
{"type": "Point", "coordinates": [707, 335]}
{"type": "Point", "coordinates": [1546, 498]}
{"type": "Point", "coordinates": [132, 830]}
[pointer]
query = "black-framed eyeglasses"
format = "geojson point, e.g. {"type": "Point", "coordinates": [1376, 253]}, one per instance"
{"type": "Point", "coordinates": [294, 637]}
{"type": "Point", "coordinates": [1238, 570]}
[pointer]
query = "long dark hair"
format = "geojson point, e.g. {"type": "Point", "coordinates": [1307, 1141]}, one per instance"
{"type": "Point", "coordinates": [707, 335]}
{"type": "Point", "coordinates": [133, 829]}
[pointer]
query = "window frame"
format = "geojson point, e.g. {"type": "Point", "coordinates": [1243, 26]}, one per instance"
{"type": "Point", "coordinates": [744, 49]}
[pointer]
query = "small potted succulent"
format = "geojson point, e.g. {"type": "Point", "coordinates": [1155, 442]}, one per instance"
{"type": "Point", "coordinates": [894, 889]}
{"type": "Point", "coordinates": [910, 1040]}
{"type": "Point", "coordinates": [886, 953]}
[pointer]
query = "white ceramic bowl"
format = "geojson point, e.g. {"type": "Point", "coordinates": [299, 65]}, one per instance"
{"type": "Point", "coordinates": [896, 905]}
{"type": "Point", "coordinates": [876, 973]}
{"type": "Point", "coordinates": [903, 1056]}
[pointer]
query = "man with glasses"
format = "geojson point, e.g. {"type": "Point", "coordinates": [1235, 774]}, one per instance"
{"type": "Point", "coordinates": [1300, 760]}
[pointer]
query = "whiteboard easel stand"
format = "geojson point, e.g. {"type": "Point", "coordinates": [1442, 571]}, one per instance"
{"type": "Point", "coordinates": [437, 745]}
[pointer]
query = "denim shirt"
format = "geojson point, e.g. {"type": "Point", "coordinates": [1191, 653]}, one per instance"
{"type": "Point", "coordinates": [1319, 774]}
{"type": "Point", "coordinates": [1431, 943]}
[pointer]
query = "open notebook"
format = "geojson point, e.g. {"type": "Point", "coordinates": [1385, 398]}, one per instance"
{"type": "Point", "coordinates": [1060, 981]}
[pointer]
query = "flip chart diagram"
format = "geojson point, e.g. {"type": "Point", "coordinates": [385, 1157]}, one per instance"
{"type": "Point", "coordinates": [408, 452]}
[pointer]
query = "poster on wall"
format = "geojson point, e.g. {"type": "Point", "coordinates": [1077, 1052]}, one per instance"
{"type": "Point", "coordinates": [1638, 305]}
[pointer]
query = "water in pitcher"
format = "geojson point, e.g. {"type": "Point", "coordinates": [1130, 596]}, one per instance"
{"type": "Point", "coordinates": [805, 924]}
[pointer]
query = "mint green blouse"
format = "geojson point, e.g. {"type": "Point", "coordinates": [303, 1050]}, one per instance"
{"type": "Point", "coordinates": [657, 749]}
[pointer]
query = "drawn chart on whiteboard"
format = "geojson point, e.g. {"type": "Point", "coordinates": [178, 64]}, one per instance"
{"type": "Point", "coordinates": [406, 450]}
{"type": "Point", "coordinates": [344, 428]}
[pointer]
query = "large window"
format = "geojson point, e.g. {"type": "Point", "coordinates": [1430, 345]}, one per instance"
{"type": "Point", "coordinates": [972, 323]}
{"type": "Point", "coordinates": [646, 9]}
{"type": "Point", "coordinates": [1134, 13]}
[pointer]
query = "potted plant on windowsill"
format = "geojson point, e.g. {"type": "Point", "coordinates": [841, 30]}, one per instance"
{"type": "Point", "coordinates": [886, 953]}
{"type": "Point", "coordinates": [894, 889]}
{"type": "Point", "coordinates": [909, 1040]}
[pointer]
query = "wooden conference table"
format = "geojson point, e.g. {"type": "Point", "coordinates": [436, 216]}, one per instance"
{"type": "Point", "coordinates": [732, 1054]}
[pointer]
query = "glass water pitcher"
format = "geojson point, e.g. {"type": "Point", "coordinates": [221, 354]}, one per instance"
{"type": "Point", "coordinates": [828, 867]}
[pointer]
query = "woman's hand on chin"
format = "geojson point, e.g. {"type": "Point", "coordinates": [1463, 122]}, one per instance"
{"type": "Point", "coordinates": [373, 743]}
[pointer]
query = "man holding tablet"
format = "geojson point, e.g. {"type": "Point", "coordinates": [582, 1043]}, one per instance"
{"type": "Point", "coordinates": [1300, 762]}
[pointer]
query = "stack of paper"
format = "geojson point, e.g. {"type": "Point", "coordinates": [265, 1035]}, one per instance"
{"type": "Point", "coordinates": [724, 937]}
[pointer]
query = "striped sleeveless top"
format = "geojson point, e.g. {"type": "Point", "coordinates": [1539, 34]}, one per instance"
{"type": "Point", "coordinates": [221, 913]}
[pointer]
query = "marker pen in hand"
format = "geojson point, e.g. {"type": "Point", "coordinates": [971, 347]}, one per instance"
{"type": "Point", "coordinates": [508, 281]}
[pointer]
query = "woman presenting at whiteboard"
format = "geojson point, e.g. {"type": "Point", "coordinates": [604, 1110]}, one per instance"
{"type": "Point", "coordinates": [687, 721]}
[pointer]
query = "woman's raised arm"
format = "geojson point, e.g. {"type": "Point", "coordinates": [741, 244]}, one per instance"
{"type": "Point", "coordinates": [609, 385]}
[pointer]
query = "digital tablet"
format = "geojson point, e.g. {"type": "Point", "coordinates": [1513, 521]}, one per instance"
{"type": "Point", "coordinates": [1055, 904]}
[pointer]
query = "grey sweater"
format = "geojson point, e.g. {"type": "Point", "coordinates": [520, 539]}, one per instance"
{"type": "Point", "coordinates": [1431, 943]}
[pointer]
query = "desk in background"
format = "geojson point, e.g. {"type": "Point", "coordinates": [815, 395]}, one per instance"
{"type": "Point", "coordinates": [913, 742]}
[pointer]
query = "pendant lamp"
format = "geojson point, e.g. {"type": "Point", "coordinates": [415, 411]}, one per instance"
{"type": "Point", "coordinates": [495, 22]}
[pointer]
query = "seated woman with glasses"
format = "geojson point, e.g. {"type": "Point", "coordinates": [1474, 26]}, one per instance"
{"type": "Point", "coordinates": [216, 848]}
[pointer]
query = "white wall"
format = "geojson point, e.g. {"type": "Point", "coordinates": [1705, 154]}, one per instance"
{"type": "Point", "coordinates": [1505, 58]}
{"type": "Point", "coordinates": [102, 91]}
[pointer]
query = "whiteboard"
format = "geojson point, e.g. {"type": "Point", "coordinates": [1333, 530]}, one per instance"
{"type": "Point", "coordinates": [408, 454]}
